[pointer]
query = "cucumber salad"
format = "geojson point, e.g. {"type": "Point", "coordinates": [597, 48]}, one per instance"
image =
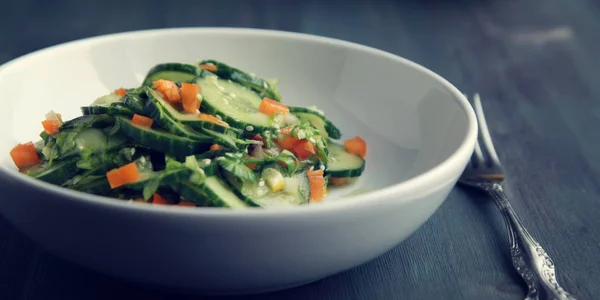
{"type": "Point", "coordinates": [195, 135]}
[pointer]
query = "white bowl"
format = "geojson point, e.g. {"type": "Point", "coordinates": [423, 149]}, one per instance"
{"type": "Point", "coordinates": [419, 128]}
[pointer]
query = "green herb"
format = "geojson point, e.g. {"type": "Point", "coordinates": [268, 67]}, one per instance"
{"type": "Point", "coordinates": [236, 166]}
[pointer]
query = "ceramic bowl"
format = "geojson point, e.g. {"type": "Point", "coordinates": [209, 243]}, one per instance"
{"type": "Point", "coordinates": [419, 128]}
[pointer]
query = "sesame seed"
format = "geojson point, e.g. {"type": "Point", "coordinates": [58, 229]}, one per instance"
{"type": "Point", "coordinates": [249, 128]}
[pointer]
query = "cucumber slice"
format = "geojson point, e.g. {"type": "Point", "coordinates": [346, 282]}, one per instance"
{"type": "Point", "coordinates": [89, 121]}
{"type": "Point", "coordinates": [212, 192]}
{"type": "Point", "coordinates": [58, 172]}
{"type": "Point", "coordinates": [172, 71]}
{"type": "Point", "coordinates": [150, 181]}
{"type": "Point", "coordinates": [88, 182]}
{"type": "Point", "coordinates": [162, 141]}
{"type": "Point", "coordinates": [159, 113]}
{"type": "Point", "coordinates": [234, 103]}
{"type": "Point", "coordinates": [190, 120]}
{"type": "Point", "coordinates": [134, 103]}
{"type": "Point", "coordinates": [342, 164]}
{"type": "Point", "coordinates": [115, 109]}
{"type": "Point", "coordinates": [107, 99]}
{"type": "Point", "coordinates": [263, 87]}
{"type": "Point", "coordinates": [317, 119]}
{"type": "Point", "coordinates": [295, 192]}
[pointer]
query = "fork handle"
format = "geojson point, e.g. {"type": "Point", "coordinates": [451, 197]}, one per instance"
{"type": "Point", "coordinates": [528, 257]}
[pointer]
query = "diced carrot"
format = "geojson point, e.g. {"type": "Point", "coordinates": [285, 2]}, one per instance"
{"type": "Point", "coordinates": [114, 178]}
{"type": "Point", "coordinates": [186, 203]}
{"type": "Point", "coordinates": [314, 173]}
{"type": "Point", "coordinates": [168, 89]}
{"type": "Point", "coordinates": [251, 166]}
{"type": "Point", "coordinates": [304, 149]}
{"type": "Point", "coordinates": [24, 155]}
{"type": "Point", "coordinates": [270, 106]}
{"type": "Point", "coordinates": [356, 145]}
{"type": "Point", "coordinates": [189, 97]}
{"type": "Point", "coordinates": [139, 200]}
{"type": "Point", "coordinates": [142, 121]}
{"type": "Point", "coordinates": [216, 147]}
{"type": "Point", "coordinates": [317, 188]}
{"type": "Point", "coordinates": [287, 141]}
{"type": "Point", "coordinates": [338, 181]}
{"type": "Point", "coordinates": [123, 175]}
{"type": "Point", "coordinates": [160, 200]}
{"type": "Point", "coordinates": [213, 119]}
{"type": "Point", "coordinates": [129, 173]}
{"type": "Point", "coordinates": [209, 67]}
{"type": "Point", "coordinates": [121, 92]}
{"type": "Point", "coordinates": [51, 126]}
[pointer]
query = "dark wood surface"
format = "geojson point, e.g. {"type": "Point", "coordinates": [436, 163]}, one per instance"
{"type": "Point", "coordinates": [536, 65]}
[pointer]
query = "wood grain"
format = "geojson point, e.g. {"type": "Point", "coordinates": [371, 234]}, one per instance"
{"type": "Point", "coordinates": [535, 64]}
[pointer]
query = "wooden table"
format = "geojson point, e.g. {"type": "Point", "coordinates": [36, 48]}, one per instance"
{"type": "Point", "coordinates": [536, 66]}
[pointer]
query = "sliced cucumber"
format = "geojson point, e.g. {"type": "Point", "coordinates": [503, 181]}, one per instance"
{"type": "Point", "coordinates": [212, 192]}
{"type": "Point", "coordinates": [134, 103]}
{"type": "Point", "coordinates": [172, 71]}
{"type": "Point", "coordinates": [160, 178]}
{"type": "Point", "coordinates": [162, 141]}
{"type": "Point", "coordinates": [317, 119]}
{"type": "Point", "coordinates": [259, 85]}
{"type": "Point", "coordinates": [58, 172]}
{"type": "Point", "coordinates": [190, 120]}
{"type": "Point", "coordinates": [89, 121]}
{"type": "Point", "coordinates": [107, 99]}
{"type": "Point", "coordinates": [342, 164]}
{"type": "Point", "coordinates": [89, 182]}
{"type": "Point", "coordinates": [159, 113]}
{"type": "Point", "coordinates": [115, 109]}
{"type": "Point", "coordinates": [295, 192]}
{"type": "Point", "coordinates": [234, 103]}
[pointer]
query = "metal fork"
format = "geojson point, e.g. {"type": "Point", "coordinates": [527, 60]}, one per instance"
{"type": "Point", "coordinates": [529, 258]}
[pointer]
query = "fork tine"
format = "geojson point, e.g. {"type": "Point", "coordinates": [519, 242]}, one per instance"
{"type": "Point", "coordinates": [483, 129]}
{"type": "Point", "coordinates": [477, 156]}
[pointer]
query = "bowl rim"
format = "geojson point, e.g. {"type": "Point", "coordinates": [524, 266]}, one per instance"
{"type": "Point", "coordinates": [435, 176]}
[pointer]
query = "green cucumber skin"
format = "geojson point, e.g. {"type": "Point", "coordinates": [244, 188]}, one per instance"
{"type": "Point", "coordinates": [90, 121]}
{"type": "Point", "coordinates": [201, 195]}
{"type": "Point", "coordinates": [172, 71]}
{"type": "Point", "coordinates": [162, 141]}
{"type": "Point", "coordinates": [58, 172]}
{"type": "Point", "coordinates": [343, 172]}
{"type": "Point", "coordinates": [201, 125]}
{"type": "Point", "coordinates": [232, 121]}
{"type": "Point", "coordinates": [331, 129]}
{"type": "Point", "coordinates": [235, 185]}
{"type": "Point", "coordinates": [113, 110]}
{"type": "Point", "coordinates": [346, 173]}
{"type": "Point", "coordinates": [167, 178]}
{"type": "Point", "coordinates": [155, 109]}
{"type": "Point", "coordinates": [261, 86]}
{"type": "Point", "coordinates": [134, 103]}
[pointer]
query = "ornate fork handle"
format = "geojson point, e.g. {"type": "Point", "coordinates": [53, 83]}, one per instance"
{"type": "Point", "coordinates": [528, 257]}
